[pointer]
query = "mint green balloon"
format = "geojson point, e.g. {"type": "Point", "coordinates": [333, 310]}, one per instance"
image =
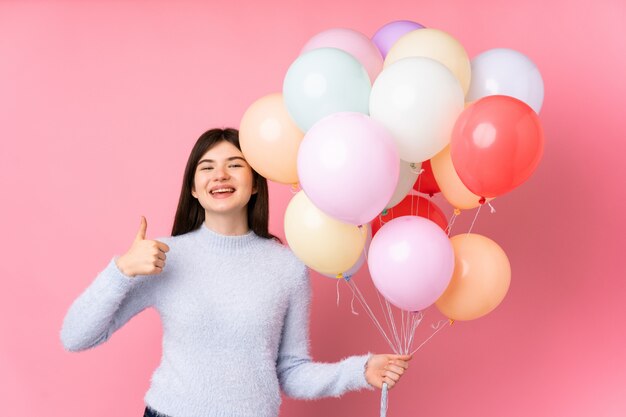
{"type": "Point", "coordinates": [324, 81]}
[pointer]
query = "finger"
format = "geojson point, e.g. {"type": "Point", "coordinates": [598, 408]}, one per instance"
{"type": "Point", "coordinates": [402, 357]}
{"type": "Point", "coordinates": [156, 270]}
{"type": "Point", "coordinates": [400, 363]}
{"type": "Point", "coordinates": [141, 234]}
{"type": "Point", "coordinates": [392, 375]}
{"type": "Point", "coordinates": [395, 368]}
{"type": "Point", "coordinates": [390, 382]}
{"type": "Point", "coordinates": [162, 246]}
{"type": "Point", "coordinates": [160, 255]}
{"type": "Point", "coordinates": [159, 263]}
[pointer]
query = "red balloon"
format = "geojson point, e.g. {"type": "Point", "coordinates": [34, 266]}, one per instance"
{"type": "Point", "coordinates": [426, 181]}
{"type": "Point", "coordinates": [497, 142]}
{"type": "Point", "coordinates": [412, 205]}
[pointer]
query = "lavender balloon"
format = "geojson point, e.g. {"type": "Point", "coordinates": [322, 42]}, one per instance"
{"type": "Point", "coordinates": [411, 261]}
{"type": "Point", "coordinates": [387, 35]}
{"type": "Point", "coordinates": [348, 166]}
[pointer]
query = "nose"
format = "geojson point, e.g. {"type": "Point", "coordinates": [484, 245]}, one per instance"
{"type": "Point", "coordinates": [220, 174]}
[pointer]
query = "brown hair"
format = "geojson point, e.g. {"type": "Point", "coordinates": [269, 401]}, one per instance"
{"type": "Point", "coordinates": [190, 214]}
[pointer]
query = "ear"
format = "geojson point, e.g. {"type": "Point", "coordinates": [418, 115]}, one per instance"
{"type": "Point", "coordinates": [255, 189]}
{"type": "Point", "coordinates": [193, 191]}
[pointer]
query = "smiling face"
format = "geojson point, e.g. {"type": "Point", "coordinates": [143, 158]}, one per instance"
{"type": "Point", "coordinates": [223, 181]}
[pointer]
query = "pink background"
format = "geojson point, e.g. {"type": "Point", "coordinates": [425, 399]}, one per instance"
{"type": "Point", "coordinates": [100, 103]}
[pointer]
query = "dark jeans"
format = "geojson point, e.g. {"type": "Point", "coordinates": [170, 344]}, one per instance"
{"type": "Point", "coordinates": [152, 413]}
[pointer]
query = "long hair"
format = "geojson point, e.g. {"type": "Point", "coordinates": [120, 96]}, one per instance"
{"type": "Point", "coordinates": [190, 214]}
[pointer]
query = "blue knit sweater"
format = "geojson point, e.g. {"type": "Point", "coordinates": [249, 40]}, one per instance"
{"type": "Point", "coordinates": [234, 311]}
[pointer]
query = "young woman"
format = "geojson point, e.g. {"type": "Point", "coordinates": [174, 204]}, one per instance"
{"type": "Point", "coordinates": [233, 301]}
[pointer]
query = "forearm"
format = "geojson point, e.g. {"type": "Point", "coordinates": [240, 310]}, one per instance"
{"type": "Point", "coordinates": [90, 319]}
{"type": "Point", "coordinates": [303, 378]}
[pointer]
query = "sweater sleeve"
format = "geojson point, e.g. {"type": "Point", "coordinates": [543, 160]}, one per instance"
{"type": "Point", "coordinates": [106, 305]}
{"type": "Point", "coordinates": [298, 375]}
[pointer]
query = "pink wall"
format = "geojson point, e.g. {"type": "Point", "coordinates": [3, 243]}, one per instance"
{"type": "Point", "coordinates": [101, 102]}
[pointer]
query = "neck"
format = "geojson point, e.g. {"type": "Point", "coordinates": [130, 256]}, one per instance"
{"type": "Point", "coordinates": [228, 224]}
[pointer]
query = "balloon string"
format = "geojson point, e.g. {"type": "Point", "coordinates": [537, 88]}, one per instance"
{"type": "Point", "coordinates": [352, 306]}
{"type": "Point", "coordinates": [393, 325]}
{"type": "Point", "coordinates": [437, 328]}
{"type": "Point", "coordinates": [295, 188]}
{"type": "Point", "coordinates": [378, 295]}
{"type": "Point", "coordinates": [493, 210]}
{"type": "Point", "coordinates": [474, 221]}
{"type": "Point", "coordinates": [417, 317]}
{"type": "Point", "coordinates": [419, 187]}
{"type": "Point", "coordinates": [402, 333]}
{"type": "Point", "coordinates": [383, 311]}
{"type": "Point", "coordinates": [337, 293]}
{"type": "Point", "coordinates": [367, 309]}
{"type": "Point", "coordinates": [452, 220]}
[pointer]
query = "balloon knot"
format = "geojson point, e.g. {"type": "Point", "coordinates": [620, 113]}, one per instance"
{"type": "Point", "coordinates": [385, 212]}
{"type": "Point", "coordinates": [457, 212]}
{"type": "Point", "coordinates": [451, 322]}
{"type": "Point", "coordinates": [482, 200]}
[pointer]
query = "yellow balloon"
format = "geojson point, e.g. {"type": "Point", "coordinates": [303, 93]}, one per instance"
{"type": "Point", "coordinates": [481, 278]}
{"type": "Point", "coordinates": [270, 140]}
{"type": "Point", "coordinates": [323, 243]}
{"type": "Point", "coordinates": [450, 184]}
{"type": "Point", "coordinates": [434, 44]}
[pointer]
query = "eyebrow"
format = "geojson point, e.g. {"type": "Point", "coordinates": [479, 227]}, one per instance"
{"type": "Point", "coordinates": [232, 158]}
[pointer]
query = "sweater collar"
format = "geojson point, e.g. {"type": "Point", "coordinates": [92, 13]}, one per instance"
{"type": "Point", "coordinates": [224, 242]}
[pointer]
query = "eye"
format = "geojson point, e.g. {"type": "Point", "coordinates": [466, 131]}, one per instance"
{"type": "Point", "coordinates": [206, 168]}
{"type": "Point", "coordinates": [235, 166]}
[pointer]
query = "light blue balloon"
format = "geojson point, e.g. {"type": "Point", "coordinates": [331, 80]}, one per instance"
{"type": "Point", "coordinates": [322, 82]}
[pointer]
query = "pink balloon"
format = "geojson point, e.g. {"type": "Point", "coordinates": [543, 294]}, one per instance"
{"type": "Point", "coordinates": [348, 166]}
{"type": "Point", "coordinates": [355, 43]}
{"type": "Point", "coordinates": [411, 261]}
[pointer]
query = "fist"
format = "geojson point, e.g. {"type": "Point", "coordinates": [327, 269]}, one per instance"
{"type": "Point", "coordinates": [386, 369]}
{"type": "Point", "coordinates": [145, 257]}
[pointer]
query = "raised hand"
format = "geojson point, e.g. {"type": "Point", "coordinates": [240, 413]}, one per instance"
{"type": "Point", "coordinates": [145, 256]}
{"type": "Point", "coordinates": [386, 368]}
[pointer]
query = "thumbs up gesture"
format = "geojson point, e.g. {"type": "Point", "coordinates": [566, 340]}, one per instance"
{"type": "Point", "coordinates": [145, 257]}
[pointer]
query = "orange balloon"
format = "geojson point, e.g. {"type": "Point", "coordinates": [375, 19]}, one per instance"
{"type": "Point", "coordinates": [450, 184]}
{"type": "Point", "coordinates": [270, 139]}
{"type": "Point", "coordinates": [481, 278]}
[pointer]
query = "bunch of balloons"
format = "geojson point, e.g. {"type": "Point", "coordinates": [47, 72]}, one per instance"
{"type": "Point", "coordinates": [359, 119]}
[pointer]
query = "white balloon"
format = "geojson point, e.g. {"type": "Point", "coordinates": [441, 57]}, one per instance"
{"type": "Point", "coordinates": [409, 172]}
{"type": "Point", "coordinates": [507, 72]}
{"type": "Point", "coordinates": [418, 100]}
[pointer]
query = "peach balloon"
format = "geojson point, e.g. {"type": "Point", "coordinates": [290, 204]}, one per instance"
{"type": "Point", "coordinates": [434, 44]}
{"type": "Point", "coordinates": [450, 184]}
{"type": "Point", "coordinates": [320, 241]}
{"type": "Point", "coordinates": [481, 278]}
{"type": "Point", "coordinates": [270, 139]}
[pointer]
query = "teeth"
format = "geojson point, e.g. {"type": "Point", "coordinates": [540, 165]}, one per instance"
{"type": "Point", "coordinates": [223, 190]}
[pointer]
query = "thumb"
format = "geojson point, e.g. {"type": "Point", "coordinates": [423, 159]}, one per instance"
{"type": "Point", "coordinates": [403, 357]}
{"type": "Point", "coordinates": [141, 234]}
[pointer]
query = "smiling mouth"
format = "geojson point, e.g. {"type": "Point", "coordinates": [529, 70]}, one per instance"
{"type": "Point", "coordinates": [223, 191]}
